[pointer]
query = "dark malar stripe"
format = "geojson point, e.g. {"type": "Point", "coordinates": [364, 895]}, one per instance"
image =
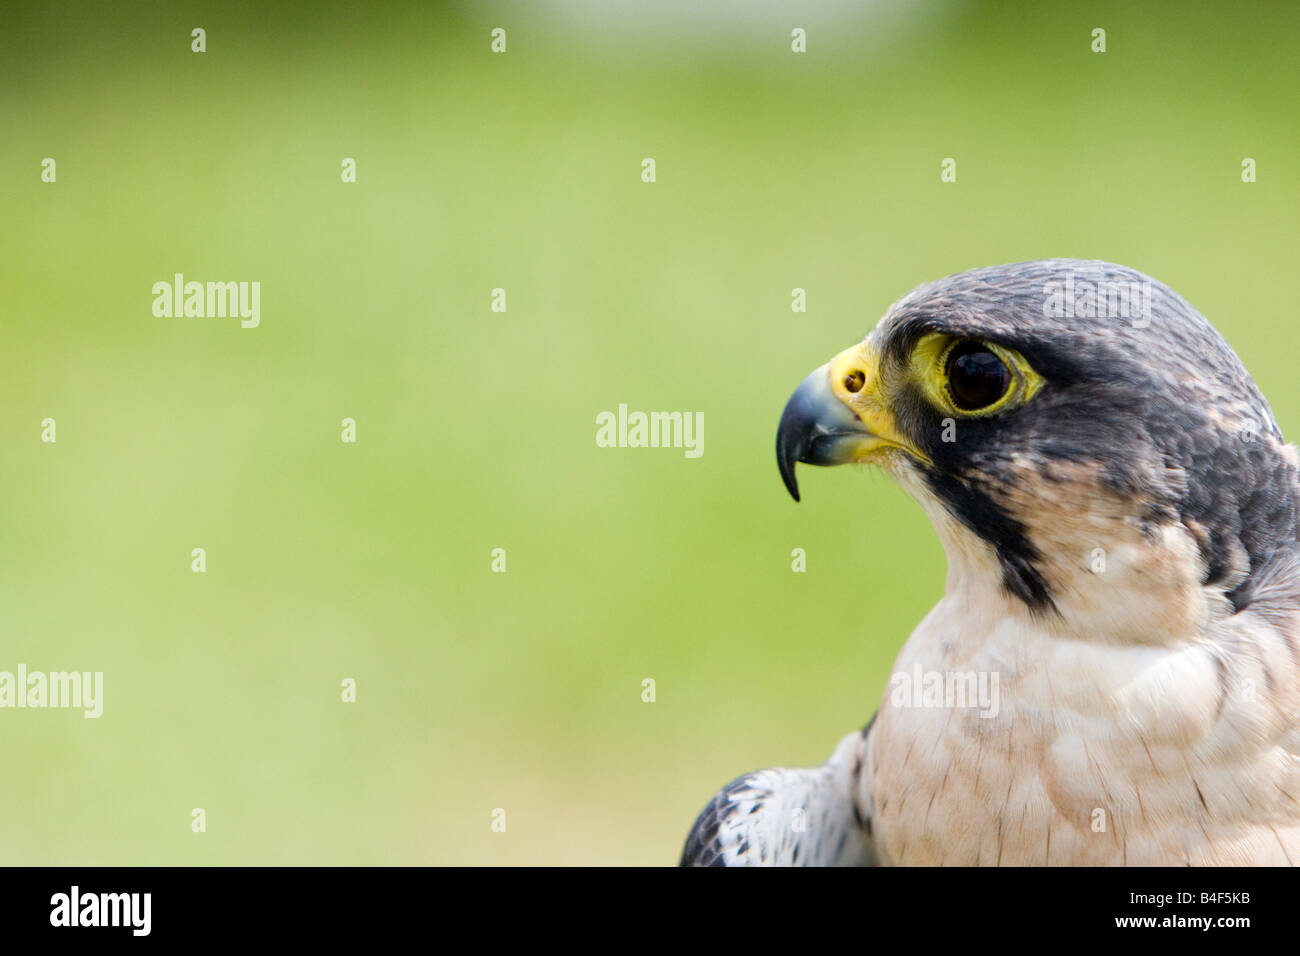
{"type": "Point", "coordinates": [1016, 554]}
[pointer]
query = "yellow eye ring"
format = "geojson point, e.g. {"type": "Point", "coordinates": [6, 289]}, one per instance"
{"type": "Point", "coordinates": [995, 378]}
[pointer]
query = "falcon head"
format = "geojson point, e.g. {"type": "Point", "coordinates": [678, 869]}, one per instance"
{"type": "Point", "coordinates": [1079, 435]}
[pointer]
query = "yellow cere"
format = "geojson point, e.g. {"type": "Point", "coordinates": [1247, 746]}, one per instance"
{"type": "Point", "coordinates": [856, 381]}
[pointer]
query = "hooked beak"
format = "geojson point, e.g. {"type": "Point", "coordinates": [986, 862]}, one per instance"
{"type": "Point", "coordinates": [836, 416]}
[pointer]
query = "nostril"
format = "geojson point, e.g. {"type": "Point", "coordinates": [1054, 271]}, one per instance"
{"type": "Point", "coordinates": [854, 381]}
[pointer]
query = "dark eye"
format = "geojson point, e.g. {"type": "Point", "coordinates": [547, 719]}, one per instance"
{"type": "Point", "coordinates": [976, 377]}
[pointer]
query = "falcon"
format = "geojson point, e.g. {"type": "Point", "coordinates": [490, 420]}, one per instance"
{"type": "Point", "coordinates": [1119, 513]}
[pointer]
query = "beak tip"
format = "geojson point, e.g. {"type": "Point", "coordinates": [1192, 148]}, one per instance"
{"type": "Point", "coordinates": [791, 485]}
{"type": "Point", "coordinates": [786, 456]}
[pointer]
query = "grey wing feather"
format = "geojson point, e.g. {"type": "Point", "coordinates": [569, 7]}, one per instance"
{"type": "Point", "coordinates": [819, 816]}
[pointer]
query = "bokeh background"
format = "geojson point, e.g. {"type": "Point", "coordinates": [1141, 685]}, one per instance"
{"type": "Point", "coordinates": [476, 429]}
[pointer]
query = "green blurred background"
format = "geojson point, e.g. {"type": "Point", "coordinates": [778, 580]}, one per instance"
{"type": "Point", "coordinates": [476, 429]}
